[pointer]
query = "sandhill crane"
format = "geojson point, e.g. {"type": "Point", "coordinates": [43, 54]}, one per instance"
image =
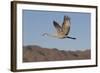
{"type": "Point", "coordinates": [62, 31]}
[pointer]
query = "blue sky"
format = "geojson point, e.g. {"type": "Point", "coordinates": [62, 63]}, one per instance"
{"type": "Point", "coordinates": [35, 23]}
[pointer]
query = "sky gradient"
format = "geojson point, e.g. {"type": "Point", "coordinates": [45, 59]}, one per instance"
{"type": "Point", "coordinates": [35, 23]}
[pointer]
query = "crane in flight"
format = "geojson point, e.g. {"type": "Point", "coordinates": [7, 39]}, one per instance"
{"type": "Point", "coordinates": [61, 31]}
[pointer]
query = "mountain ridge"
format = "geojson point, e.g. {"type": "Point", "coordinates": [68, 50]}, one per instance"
{"type": "Point", "coordinates": [35, 53]}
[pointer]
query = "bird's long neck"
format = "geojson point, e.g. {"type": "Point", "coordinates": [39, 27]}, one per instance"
{"type": "Point", "coordinates": [50, 35]}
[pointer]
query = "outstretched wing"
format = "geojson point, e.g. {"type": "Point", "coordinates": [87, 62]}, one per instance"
{"type": "Point", "coordinates": [66, 25]}
{"type": "Point", "coordinates": [57, 26]}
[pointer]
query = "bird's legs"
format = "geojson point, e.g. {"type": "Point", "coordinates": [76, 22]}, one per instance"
{"type": "Point", "coordinates": [71, 37]}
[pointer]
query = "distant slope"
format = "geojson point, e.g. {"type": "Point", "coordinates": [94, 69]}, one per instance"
{"type": "Point", "coordinates": [36, 53]}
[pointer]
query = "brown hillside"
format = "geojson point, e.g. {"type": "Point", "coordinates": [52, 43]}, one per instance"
{"type": "Point", "coordinates": [36, 54]}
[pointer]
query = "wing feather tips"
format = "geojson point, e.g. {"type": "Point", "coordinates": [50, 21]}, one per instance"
{"type": "Point", "coordinates": [57, 26]}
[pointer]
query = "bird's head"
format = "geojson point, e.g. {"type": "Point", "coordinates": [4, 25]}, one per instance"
{"type": "Point", "coordinates": [44, 34]}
